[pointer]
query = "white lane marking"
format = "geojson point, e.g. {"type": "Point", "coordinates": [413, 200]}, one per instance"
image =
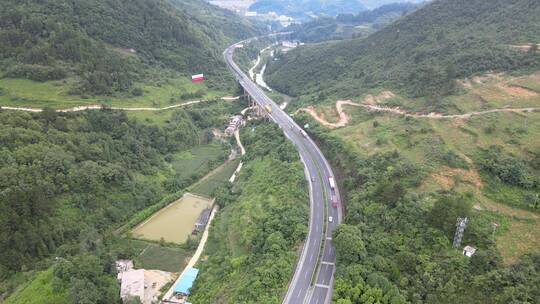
{"type": "Point", "coordinates": [299, 293]}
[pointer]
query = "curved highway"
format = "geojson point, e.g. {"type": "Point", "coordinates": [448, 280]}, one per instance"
{"type": "Point", "coordinates": [313, 278]}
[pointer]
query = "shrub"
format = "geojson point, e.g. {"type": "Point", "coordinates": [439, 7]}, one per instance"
{"type": "Point", "coordinates": [508, 168]}
{"type": "Point", "coordinates": [137, 91]}
{"type": "Point", "coordinates": [36, 72]}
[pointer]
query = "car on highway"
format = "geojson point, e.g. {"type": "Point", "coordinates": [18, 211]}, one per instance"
{"type": "Point", "coordinates": [330, 219]}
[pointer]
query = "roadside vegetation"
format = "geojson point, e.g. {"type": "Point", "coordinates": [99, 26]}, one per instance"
{"type": "Point", "coordinates": [402, 197]}
{"type": "Point", "coordinates": [253, 241]}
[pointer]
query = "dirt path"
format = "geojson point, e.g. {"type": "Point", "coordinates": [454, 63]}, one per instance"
{"type": "Point", "coordinates": [237, 136]}
{"type": "Point", "coordinates": [344, 118]}
{"type": "Point", "coordinates": [242, 151]}
{"type": "Point", "coordinates": [99, 107]}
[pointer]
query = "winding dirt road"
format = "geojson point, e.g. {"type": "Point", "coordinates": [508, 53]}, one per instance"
{"type": "Point", "coordinates": [344, 119]}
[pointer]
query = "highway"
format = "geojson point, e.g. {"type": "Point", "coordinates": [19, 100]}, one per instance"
{"type": "Point", "coordinates": [313, 278]}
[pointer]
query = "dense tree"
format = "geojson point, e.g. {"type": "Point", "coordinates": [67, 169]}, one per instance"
{"type": "Point", "coordinates": [446, 210]}
{"type": "Point", "coordinates": [349, 244]}
{"type": "Point", "coordinates": [67, 178]}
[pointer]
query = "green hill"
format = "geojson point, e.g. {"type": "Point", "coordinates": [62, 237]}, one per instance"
{"type": "Point", "coordinates": [420, 54]}
{"type": "Point", "coordinates": [349, 25]}
{"type": "Point", "coordinates": [104, 47]}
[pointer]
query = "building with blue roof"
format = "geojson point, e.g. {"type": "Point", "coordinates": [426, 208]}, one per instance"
{"type": "Point", "coordinates": [186, 281]}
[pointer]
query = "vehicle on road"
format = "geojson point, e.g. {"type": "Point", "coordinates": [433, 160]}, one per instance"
{"type": "Point", "coordinates": [312, 179]}
{"type": "Point", "coordinates": [268, 108]}
{"type": "Point", "coordinates": [303, 133]}
{"type": "Point", "coordinates": [334, 201]}
{"type": "Point", "coordinates": [330, 219]}
{"type": "Point", "coordinates": [332, 182]}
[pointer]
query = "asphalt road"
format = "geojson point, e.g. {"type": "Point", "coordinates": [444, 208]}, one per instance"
{"type": "Point", "coordinates": [313, 277]}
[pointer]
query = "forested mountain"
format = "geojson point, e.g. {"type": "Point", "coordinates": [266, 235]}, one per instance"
{"type": "Point", "coordinates": [349, 25]}
{"type": "Point", "coordinates": [372, 4]}
{"type": "Point", "coordinates": [301, 8]}
{"type": "Point", "coordinates": [420, 54]}
{"type": "Point", "coordinates": [106, 46]}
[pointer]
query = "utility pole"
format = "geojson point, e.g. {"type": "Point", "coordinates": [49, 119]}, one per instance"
{"type": "Point", "coordinates": [460, 227]}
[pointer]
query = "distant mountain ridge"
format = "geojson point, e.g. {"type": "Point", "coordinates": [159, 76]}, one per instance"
{"type": "Point", "coordinates": [350, 25]}
{"type": "Point", "coordinates": [372, 4]}
{"type": "Point", "coordinates": [421, 54]}
{"type": "Point", "coordinates": [300, 8]}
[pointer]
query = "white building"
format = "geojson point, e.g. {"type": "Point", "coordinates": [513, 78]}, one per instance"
{"type": "Point", "coordinates": [234, 123]}
{"type": "Point", "coordinates": [468, 251]}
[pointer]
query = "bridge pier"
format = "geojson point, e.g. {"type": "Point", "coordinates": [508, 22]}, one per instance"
{"type": "Point", "coordinates": [258, 110]}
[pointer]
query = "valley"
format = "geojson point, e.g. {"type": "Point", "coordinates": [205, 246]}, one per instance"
{"type": "Point", "coordinates": [178, 152]}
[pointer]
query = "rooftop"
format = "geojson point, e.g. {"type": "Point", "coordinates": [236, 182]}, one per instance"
{"type": "Point", "coordinates": [186, 281]}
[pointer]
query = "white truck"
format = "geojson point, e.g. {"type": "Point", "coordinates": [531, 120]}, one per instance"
{"type": "Point", "coordinates": [332, 182]}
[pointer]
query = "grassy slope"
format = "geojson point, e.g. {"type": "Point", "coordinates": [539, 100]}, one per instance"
{"type": "Point", "coordinates": [416, 53]}
{"type": "Point", "coordinates": [54, 94]}
{"type": "Point", "coordinates": [40, 290]}
{"type": "Point", "coordinates": [425, 141]}
{"type": "Point", "coordinates": [219, 179]}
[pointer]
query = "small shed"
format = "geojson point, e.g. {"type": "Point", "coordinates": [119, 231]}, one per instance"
{"type": "Point", "coordinates": [202, 220]}
{"type": "Point", "coordinates": [468, 251]}
{"type": "Point", "coordinates": [186, 281]}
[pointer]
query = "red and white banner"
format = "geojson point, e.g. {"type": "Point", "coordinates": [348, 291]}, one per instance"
{"type": "Point", "coordinates": [197, 78]}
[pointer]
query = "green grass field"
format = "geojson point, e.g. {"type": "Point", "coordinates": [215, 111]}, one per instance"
{"type": "Point", "coordinates": [38, 291]}
{"type": "Point", "coordinates": [54, 94]}
{"type": "Point", "coordinates": [153, 256]}
{"type": "Point", "coordinates": [198, 161]}
{"type": "Point", "coordinates": [218, 179]}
